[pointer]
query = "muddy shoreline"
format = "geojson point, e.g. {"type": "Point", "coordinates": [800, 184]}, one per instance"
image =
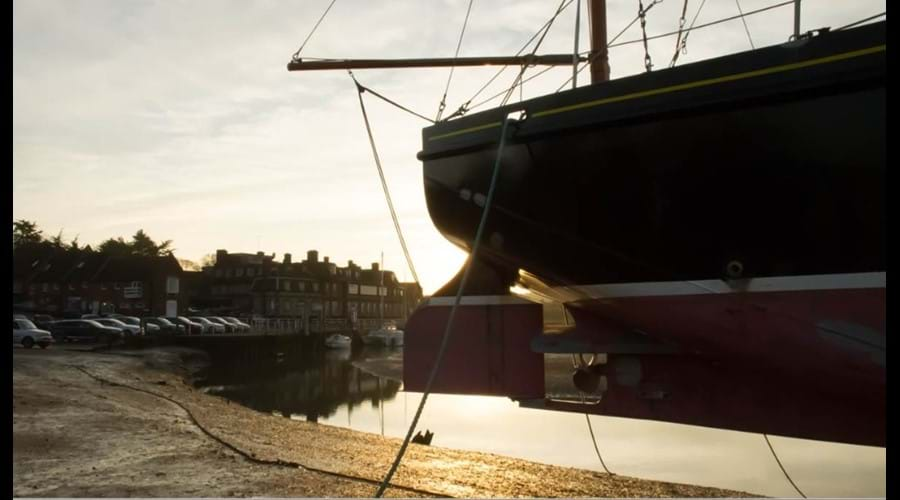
{"type": "Point", "coordinates": [131, 424]}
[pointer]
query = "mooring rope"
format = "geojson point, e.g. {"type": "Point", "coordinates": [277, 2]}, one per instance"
{"type": "Point", "coordinates": [249, 456]}
{"type": "Point", "coordinates": [782, 467]}
{"type": "Point", "coordinates": [449, 328]}
{"type": "Point", "coordinates": [387, 193]}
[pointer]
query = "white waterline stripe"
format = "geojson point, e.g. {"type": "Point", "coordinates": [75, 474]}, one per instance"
{"type": "Point", "coordinates": [479, 300]}
{"type": "Point", "coordinates": [703, 287]}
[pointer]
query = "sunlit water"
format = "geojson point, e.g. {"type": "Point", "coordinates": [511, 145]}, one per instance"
{"type": "Point", "coordinates": [331, 390]}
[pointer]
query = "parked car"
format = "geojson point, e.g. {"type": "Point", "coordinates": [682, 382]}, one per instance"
{"type": "Point", "coordinates": [28, 334]}
{"type": "Point", "coordinates": [165, 327]}
{"type": "Point", "coordinates": [128, 329]}
{"type": "Point", "coordinates": [133, 320]}
{"type": "Point", "coordinates": [190, 327]}
{"type": "Point", "coordinates": [208, 326]}
{"type": "Point", "coordinates": [240, 324]}
{"type": "Point", "coordinates": [229, 328]}
{"type": "Point", "coordinates": [43, 321]}
{"type": "Point", "coordinates": [84, 329]}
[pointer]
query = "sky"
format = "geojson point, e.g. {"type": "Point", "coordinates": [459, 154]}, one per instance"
{"type": "Point", "coordinates": [180, 118]}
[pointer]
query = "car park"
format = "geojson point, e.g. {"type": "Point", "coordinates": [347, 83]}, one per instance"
{"type": "Point", "coordinates": [229, 328]}
{"type": "Point", "coordinates": [128, 329]}
{"type": "Point", "coordinates": [242, 327]}
{"type": "Point", "coordinates": [164, 326]}
{"type": "Point", "coordinates": [28, 334]}
{"type": "Point", "coordinates": [208, 326]}
{"type": "Point", "coordinates": [190, 327]}
{"type": "Point", "coordinates": [68, 330]}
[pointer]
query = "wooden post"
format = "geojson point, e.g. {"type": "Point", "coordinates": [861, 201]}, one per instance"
{"type": "Point", "coordinates": [600, 64]}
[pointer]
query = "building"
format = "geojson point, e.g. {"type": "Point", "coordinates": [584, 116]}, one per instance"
{"type": "Point", "coordinates": [71, 283]}
{"type": "Point", "coordinates": [318, 294]}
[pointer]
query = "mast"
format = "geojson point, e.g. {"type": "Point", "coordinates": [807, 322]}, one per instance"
{"type": "Point", "coordinates": [600, 63]}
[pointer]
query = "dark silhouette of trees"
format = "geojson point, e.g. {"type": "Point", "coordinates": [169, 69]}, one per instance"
{"type": "Point", "coordinates": [26, 233]}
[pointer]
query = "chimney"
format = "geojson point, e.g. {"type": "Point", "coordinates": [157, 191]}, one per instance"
{"type": "Point", "coordinates": [350, 264]}
{"type": "Point", "coordinates": [221, 255]}
{"type": "Point", "coordinates": [312, 256]}
{"type": "Point", "coordinates": [374, 266]}
{"type": "Point", "coordinates": [325, 260]}
{"type": "Point", "coordinates": [258, 254]}
{"type": "Point", "coordinates": [287, 258]}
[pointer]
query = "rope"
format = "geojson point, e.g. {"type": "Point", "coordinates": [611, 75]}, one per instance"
{"type": "Point", "coordinates": [678, 45]}
{"type": "Point", "coordinates": [593, 57]}
{"type": "Point", "coordinates": [642, 14]}
{"type": "Point", "coordinates": [297, 54]}
{"type": "Point", "coordinates": [594, 440]}
{"type": "Point", "coordinates": [443, 103]}
{"type": "Point", "coordinates": [693, 21]}
{"type": "Point", "coordinates": [750, 13]}
{"type": "Point", "coordinates": [744, 20]}
{"type": "Point", "coordinates": [518, 80]}
{"type": "Point", "coordinates": [387, 194]}
{"type": "Point", "coordinates": [876, 16]}
{"type": "Point", "coordinates": [248, 456]}
{"type": "Point", "coordinates": [363, 88]}
{"type": "Point", "coordinates": [782, 467]}
{"type": "Point", "coordinates": [449, 328]}
{"type": "Point", "coordinates": [465, 106]}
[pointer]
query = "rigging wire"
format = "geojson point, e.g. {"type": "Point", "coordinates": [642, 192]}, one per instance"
{"type": "Point", "coordinates": [449, 328]}
{"type": "Point", "coordinates": [691, 27]}
{"type": "Point", "coordinates": [537, 45]}
{"type": "Point", "coordinates": [465, 106]}
{"type": "Point", "coordinates": [443, 103]}
{"type": "Point", "coordinates": [387, 194]}
{"type": "Point", "coordinates": [782, 467]}
{"type": "Point", "coordinates": [876, 16]}
{"type": "Point", "coordinates": [297, 54]}
{"type": "Point", "coordinates": [594, 56]}
{"type": "Point", "coordinates": [678, 40]}
{"type": "Point", "coordinates": [744, 20]}
{"type": "Point", "coordinates": [748, 13]}
{"type": "Point", "coordinates": [642, 14]}
{"type": "Point", "coordinates": [385, 99]}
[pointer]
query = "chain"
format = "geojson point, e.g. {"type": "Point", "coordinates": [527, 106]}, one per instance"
{"type": "Point", "coordinates": [679, 43]}
{"type": "Point", "coordinates": [648, 64]}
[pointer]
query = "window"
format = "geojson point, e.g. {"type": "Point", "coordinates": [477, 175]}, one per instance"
{"type": "Point", "coordinates": [286, 285]}
{"type": "Point", "coordinates": [172, 284]}
{"type": "Point", "coordinates": [251, 271]}
{"type": "Point", "coordinates": [228, 273]}
{"type": "Point", "coordinates": [315, 287]}
{"type": "Point", "coordinates": [44, 287]}
{"type": "Point", "coordinates": [56, 287]}
{"type": "Point", "coordinates": [238, 272]}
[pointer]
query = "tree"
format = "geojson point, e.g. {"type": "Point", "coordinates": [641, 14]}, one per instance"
{"type": "Point", "coordinates": [26, 232]}
{"type": "Point", "coordinates": [116, 247]}
{"type": "Point", "coordinates": [57, 241]}
{"type": "Point", "coordinates": [208, 260]}
{"type": "Point", "coordinates": [188, 265]}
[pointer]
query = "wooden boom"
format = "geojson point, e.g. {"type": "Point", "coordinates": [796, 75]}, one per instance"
{"type": "Point", "coordinates": [527, 60]}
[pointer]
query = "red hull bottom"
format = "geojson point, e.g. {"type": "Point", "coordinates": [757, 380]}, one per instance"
{"type": "Point", "coordinates": [802, 363]}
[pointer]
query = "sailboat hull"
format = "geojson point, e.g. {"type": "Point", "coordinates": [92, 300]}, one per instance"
{"type": "Point", "coordinates": [733, 207]}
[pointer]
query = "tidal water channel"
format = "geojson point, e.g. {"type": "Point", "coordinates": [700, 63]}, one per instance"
{"type": "Point", "coordinates": [335, 388]}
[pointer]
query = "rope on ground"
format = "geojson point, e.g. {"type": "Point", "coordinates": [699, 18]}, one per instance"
{"type": "Point", "coordinates": [443, 103]}
{"type": "Point", "coordinates": [594, 440]}
{"type": "Point", "coordinates": [297, 54]}
{"type": "Point", "coordinates": [782, 467]}
{"type": "Point", "coordinates": [449, 328]}
{"type": "Point", "coordinates": [249, 456]}
{"type": "Point", "coordinates": [387, 193]}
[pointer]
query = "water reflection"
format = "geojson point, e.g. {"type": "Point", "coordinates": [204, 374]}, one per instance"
{"type": "Point", "coordinates": [313, 386]}
{"type": "Point", "coordinates": [330, 388]}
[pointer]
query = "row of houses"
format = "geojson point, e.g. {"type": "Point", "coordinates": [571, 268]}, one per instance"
{"type": "Point", "coordinates": [318, 295]}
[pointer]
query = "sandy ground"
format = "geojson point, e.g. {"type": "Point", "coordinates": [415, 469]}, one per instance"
{"type": "Point", "coordinates": [117, 425]}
